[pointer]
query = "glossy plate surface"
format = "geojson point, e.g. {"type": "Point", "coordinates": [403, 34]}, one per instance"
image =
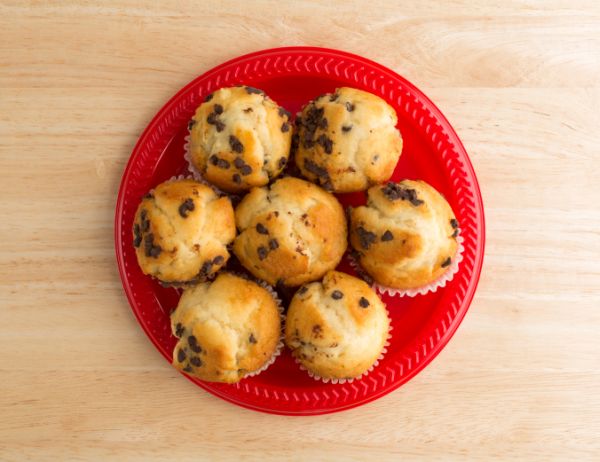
{"type": "Point", "coordinates": [432, 152]}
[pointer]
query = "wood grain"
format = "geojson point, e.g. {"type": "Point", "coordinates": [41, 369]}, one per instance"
{"type": "Point", "coordinates": [520, 82]}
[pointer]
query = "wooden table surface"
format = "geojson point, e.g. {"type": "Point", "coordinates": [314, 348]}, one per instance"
{"type": "Point", "coordinates": [520, 82]}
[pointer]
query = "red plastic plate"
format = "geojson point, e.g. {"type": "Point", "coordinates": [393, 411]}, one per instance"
{"type": "Point", "coordinates": [432, 152]}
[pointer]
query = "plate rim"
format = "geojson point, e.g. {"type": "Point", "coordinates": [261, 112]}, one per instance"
{"type": "Point", "coordinates": [453, 138]}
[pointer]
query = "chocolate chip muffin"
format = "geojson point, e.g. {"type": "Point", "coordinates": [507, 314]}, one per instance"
{"type": "Point", "coordinates": [347, 140]}
{"type": "Point", "coordinates": [181, 231]}
{"type": "Point", "coordinates": [405, 237]}
{"type": "Point", "coordinates": [226, 329]}
{"type": "Point", "coordinates": [337, 328]}
{"type": "Point", "coordinates": [239, 138]}
{"type": "Point", "coordinates": [290, 233]}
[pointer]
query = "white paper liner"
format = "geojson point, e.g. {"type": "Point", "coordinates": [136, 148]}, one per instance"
{"type": "Point", "coordinates": [364, 374]}
{"type": "Point", "coordinates": [194, 171]}
{"type": "Point", "coordinates": [431, 287]}
{"type": "Point", "coordinates": [279, 347]}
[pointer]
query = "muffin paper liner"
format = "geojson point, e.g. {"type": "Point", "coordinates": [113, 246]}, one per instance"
{"type": "Point", "coordinates": [279, 347]}
{"type": "Point", "coordinates": [431, 287]}
{"type": "Point", "coordinates": [364, 374]}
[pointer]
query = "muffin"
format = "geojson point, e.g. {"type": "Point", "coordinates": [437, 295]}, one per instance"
{"type": "Point", "coordinates": [406, 235]}
{"type": "Point", "coordinates": [181, 231]}
{"type": "Point", "coordinates": [239, 138]}
{"type": "Point", "coordinates": [348, 141]}
{"type": "Point", "coordinates": [337, 328]}
{"type": "Point", "coordinates": [290, 233]}
{"type": "Point", "coordinates": [227, 329]}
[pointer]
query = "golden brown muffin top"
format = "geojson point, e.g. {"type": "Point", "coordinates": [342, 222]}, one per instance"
{"type": "Point", "coordinates": [226, 329]}
{"type": "Point", "coordinates": [405, 237]}
{"type": "Point", "coordinates": [290, 233]}
{"type": "Point", "coordinates": [347, 140]}
{"type": "Point", "coordinates": [337, 328]}
{"type": "Point", "coordinates": [181, 232]}
{"type": "Point", "coordinates": [240, 138]}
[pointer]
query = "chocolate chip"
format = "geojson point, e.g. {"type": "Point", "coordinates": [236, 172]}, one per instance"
{"type": "Point", "coordinates": [302, 290]}
{"type": "Point", "coordinates": [197, 362]}
{"type": "Point", "coordinates": [262, 253]}
{"type": "Point", "coordinates": [218, 109]}
{"type": "Point", "coordinates": [281, 163]}
{"type": "Point", "coordinates": [319, 171]}
{"type": "Point", "coordinates": [295, 143]}
{"type": "Point", "coordinates": [261, 229]}
{"type": "Point", "coordinates": [148, 196]}
{"type": "Point", "coordinates": [222, 163]}
{"type": "Point", "coordinates": [326, 143]}
{"type": "Point", "coordinates": [455, 233]}
{"type": "Point", "coordinates": [285, 127]}
{"type": "Point", "coordinates": [346, 128]}
{"type": "Point", "coordinates": [333, 97]}
{"type": "Point", "coordinates": [273, 244]}
{"type": "Point", "coordinates": [145, 221]}
{"type": "Point", "coordinates": [193, 343]}
{"type": "Point", "coordinates": [251, 90]}
{"type": "Point", "coordinates": [187, 369]}
{"type": "Point", "coordinates": [387, 236]}
{"type": "Point", "coordinates": [359, 270]}
{"type": "Point", "coordinates": [308, 140]}
{"type": "Point", "coordinates": [446, 262]}
{"type": "Point", "coordinates": [317, 330]}
{"type": "Point", "coordinates": [454, 223]}
{"type": "Point", "coordinates": [213, 159]}
{"type": "Point", "coordinates": [349, 107]}
{"type": "Point", "coordinates": [208, 97]}
{"type": "Point", "coordinates": [394, 191]}
{"type": "Point", "coordinates": [186, 207]}
{"type": "Point", "coordinates": [181, 355]}
{"type": "Point", "coordinates": [137, 235]}
{"type": "Point", "coordinates": [149, 239]}
{"type": "Point", "coordinates": [218, 260]}
{"type": "Point", "coordinates": [326, 184]}
{"type": "Point", "coordinates": [248, 109]}
{"type": "Point", "coordinates": [246, 170]}
{"type": "Point", "coordinates": [206, 268]}
{"type": "Point", "coordinates": [282, 112]}
{"type": "Point", "coordinates": [276, 213]}
{"type": "Point", "coordinates": [252, 339]}
{"type": "Point", "coordinates": [239, 162]}
{"type": "Point", "coordinates": [310, 122]}
{"type": "Point", "coordinates": [236, 178]}
{"type": "Point", "coordinates": [365, 237]}
{"type": "Point", "coordinates": [236, 144]}
{"type": "Point", "coordinates": [363, 302]}
{"type": "Point", "coordinates": [211, 118]}
{"type": "Point", "coordinates": [179, 330]}
{"type": "Point", "coordinates": [337, 295]}
{"type": "Point", "coordinates": [150, 249]}
{"type": "Point", "coordinates": [323, 123]}
{"type": "Point", "coordinates": [191, 124]}
{"type": "Point", "coordinates": [220, 126]}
